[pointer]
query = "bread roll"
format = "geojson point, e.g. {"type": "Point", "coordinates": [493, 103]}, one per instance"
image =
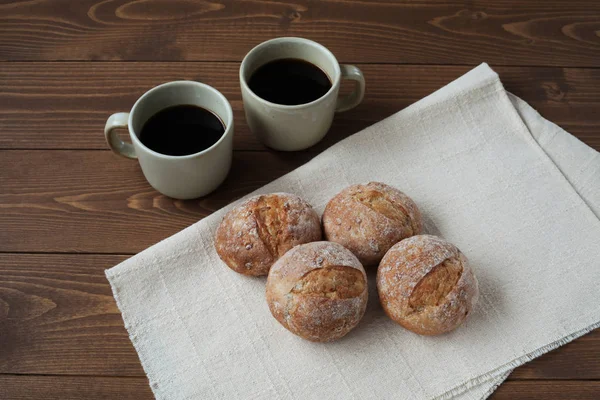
{"type": "Point", "coordinates": [256, 233]}
{"type": "Point", "coordinates": [369, 219]}
{"type": "Point", "coordinates": [318, 291]}
{"type": "Point", "coordinates": [426, 285]}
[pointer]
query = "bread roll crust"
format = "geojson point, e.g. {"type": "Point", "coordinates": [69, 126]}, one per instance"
{"type": "Point", "coordinates": [369, 219]}
{"type": "Point", "coordinates": [253, 235]}
{"type": "Point", "coordinates": [426, 285]}
{"type": "Point", "coordinates": [318, 291]}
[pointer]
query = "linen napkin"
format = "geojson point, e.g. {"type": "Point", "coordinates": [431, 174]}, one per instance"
{"type": "Point", "coordinates": [516, 193]}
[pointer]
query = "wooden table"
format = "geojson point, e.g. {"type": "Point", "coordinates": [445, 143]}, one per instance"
{"type": "Point", "coordinates": [69, 208]}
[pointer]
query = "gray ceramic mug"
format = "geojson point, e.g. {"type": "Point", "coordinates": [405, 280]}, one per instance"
{"type": "Point", "coordinates": [288, 128]}
{"type": "Point", "coordinates": [180, 177]}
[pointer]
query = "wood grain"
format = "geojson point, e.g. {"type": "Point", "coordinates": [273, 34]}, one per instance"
{"type": "Point", "coordinates": [97, 202]}
{"type": "Point", "coordinates": [42, 112]}
{"type": "Point", "coordinates": [17, 387]}
{"type": "Point", "coordinates": [58, 317]}
{"type": "Point", "coordinates": [537, 390]}
{"type": "Point", "coordinates": [101, 388]}
{"type": "Point", "coordinates": [503, 32]}
{"type": "Point", "coordinates": [61, 334]}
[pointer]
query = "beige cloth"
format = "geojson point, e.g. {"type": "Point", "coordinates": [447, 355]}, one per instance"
{"type": "Point", "coordinates": [517, 194]}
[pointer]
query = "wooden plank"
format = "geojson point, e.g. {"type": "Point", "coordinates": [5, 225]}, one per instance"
{"type": "Point", "coordinates": [536, 390]}
{"type": "Point", "coordinates": [576, 360]}
{"type": "Point", "coordinates": [58, 317]}
{"type": "Point", "coordinates": [507, 32]}
{"type": "Point", "coordinates": [97, 202]}
{"type": "Point", "coordinates": [17, 387]}
{"type": "Point", "coordinates": [41, 111]}
{"type": "Point", "coordinates": [100, 388]}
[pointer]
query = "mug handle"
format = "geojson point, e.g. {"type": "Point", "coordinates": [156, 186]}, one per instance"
{"type": "Point", "coordinates": [353, 99]}
{"type": "Point", "coordinates": [118, 120]}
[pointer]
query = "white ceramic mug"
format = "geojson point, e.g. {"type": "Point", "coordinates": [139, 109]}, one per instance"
{"type": "Point", "coordinates": [180, 177]}
{"type": "Point", "coordinates": [288, 128]}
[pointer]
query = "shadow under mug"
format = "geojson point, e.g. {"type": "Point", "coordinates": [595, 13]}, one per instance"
{"type": "Point", "coordinates": [297, 127]}
{"type": "Point", "coordinates": [180, 177]}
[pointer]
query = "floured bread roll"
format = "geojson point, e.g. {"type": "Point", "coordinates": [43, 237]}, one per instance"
{"type": "Point", "coordinates": [253, 235]}
{"type": "Point", "coordinates": [426, 285]}
{"type": "Point", "coordinates": [369, 219]}
{"type": "Point", "coordinates": [318, 291]}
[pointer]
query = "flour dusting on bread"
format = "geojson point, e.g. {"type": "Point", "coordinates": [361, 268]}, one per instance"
{"type": "Point", "coordinates": [318, 291]}
{"type": "Point", "coordinates": [426, 285]}
{"type": "Point", "coordinates": [253, 235]}
{"type": "Point", "coordinates": [369, 219]}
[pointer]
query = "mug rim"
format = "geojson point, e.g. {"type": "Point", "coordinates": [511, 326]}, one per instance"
{"type": "Point", "coordinates": [334, 84]}
{"type": "Point", "coordinates": [228, 127]}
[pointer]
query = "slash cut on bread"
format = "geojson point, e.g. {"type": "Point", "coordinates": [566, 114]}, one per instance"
{"type": "Point", "coordinates": [256, 233]}
{"type": "Point", "coordinates": [426, 285]}
{"type": "Point", "coordinates": [318, 291]}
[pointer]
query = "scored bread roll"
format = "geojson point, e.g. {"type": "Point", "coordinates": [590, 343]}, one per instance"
{"type": "Point", "coordinates": [369, 219]}
{"type": "Point", "coordinates": [253, 235]}
{"type": "Point", "coordinates": [426, 285]}
{"type": "Point", "coordinates": [318, 291]}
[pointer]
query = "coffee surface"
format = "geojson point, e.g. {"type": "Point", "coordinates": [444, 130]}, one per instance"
{"type": "Point", "coordinates": [289, 81]}
{"type": "Point", "coordinates": [182, 130]}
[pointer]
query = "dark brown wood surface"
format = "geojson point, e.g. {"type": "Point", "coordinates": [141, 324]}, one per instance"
{"type": "Point", "coordinates": [503, 32]}
{"type": "Point", "coordinates": [69, 208]}
{"type": "Point", "coordinates": [102, 388]}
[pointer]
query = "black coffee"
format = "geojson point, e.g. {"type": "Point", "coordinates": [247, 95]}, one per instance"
{"type": "Point", "coordinates": [289, 81]}
{"type": "Point", "coordinates": [181, 130]}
